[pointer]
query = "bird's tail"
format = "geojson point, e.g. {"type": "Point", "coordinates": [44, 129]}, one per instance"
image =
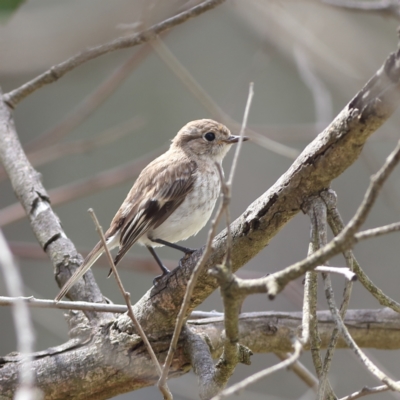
{"type": "Point", "coordinates": [85, 266]}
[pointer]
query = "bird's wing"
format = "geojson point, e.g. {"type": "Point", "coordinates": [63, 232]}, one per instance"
{"type": "Point", "coordinates": [160, 189]}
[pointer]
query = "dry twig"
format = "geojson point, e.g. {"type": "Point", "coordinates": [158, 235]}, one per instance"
{"type": "Point", "coordinates": [127, 297]}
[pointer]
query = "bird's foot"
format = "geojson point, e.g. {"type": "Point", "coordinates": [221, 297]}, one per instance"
{"type": "Point", "coordinates": [188, 253]}
{"type": "Point", "coordinates": [159, 277]}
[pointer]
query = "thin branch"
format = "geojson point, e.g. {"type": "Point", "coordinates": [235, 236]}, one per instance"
{"type": "Point", "coordinates": [127, 297]}
{"type": "Point", "coordinates": [262, 374]}
{"type": "Point", "coordinates": [188, 294]}
{"type": "Point", "coordinates": [57, 71]}
{"type": "Point", "coordinates": [242, 130]}
{"type": "Point", "coordinates": [366, 391]}
{"type": "Point", "coordinates": [390, 7]}
{"type": "Point", "coordinates": [316, 210]}
{"type": "Point", "coordinates": [346, 272]}
{"type": "Point", "coordinates": [207, 251]}
{"type": "Point", "coordinates": [25, 333]}
{"type": "Point", "coordinates": [227, 186]}
{"type": "Point", "coordinates": [375, 232]}
{"type": "Point", "coordinates": [64, 305]}
{"type": "Point", "coordinates": [372, 368]}
{"type": "Point", "coordinates": [301, 371]}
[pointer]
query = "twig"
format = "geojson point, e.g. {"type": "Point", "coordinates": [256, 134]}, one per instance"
{"type": "Point", "coordinates": [301, 371]}
{"type": "Point", "coordinates": [57, 71]}
{"type": "Point", "coordinates": [83, 187]}
{"type": "Point", "coordinates": [197, 270]}
{"type": "Point", "coordinates": [262, 374]}
{"type": "Point", "coordinates": [189, 290]}
{"type": "Point", "coordinates": [209, 104]}
{"type": "Point", "coordinates": [227, 186]}
{"type": "Point", "coordinates": [375, 232]}
{"type": "Point", "coordinates": [346, 272]}
{"type": "Point", "coordinates": [242, 130]}
{"type": "Point", "coordinates": [366, 391]}
{"type": "Point", "coordinates": [390, 7]}
{"type": "Point", "coordinates": [316, 210]}
{"type": "Point", "coordinates": [127, 297]}
{"type": "Point", "coordinates": [63, 305]}
{"type": "Point", "coordinates": [372, 368]}
{"type": "Point", "coordinates": [25, 333]}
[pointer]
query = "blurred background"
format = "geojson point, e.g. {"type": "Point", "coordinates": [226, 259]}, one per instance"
{"type": "Point", "coordinates": [90, 134]}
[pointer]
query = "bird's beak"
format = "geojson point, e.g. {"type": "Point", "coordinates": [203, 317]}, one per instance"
{"type": "Point", "coordinates": [234, 139]}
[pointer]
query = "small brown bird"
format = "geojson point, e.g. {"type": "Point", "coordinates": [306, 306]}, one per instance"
{"type": "Point", "coordinates": [172, 199]}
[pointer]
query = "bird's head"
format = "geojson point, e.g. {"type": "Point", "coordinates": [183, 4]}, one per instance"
{"type": "Point", "coordinates": [205, 138]}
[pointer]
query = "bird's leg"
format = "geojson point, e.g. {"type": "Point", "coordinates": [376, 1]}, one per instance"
{"type": "Point", "coordinates": [164, 269]}
{"type": "Point", "coordinates": [185, 250]}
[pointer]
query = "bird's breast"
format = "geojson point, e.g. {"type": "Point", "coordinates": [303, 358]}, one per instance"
{"type": "Point", "coordinates": [193, 213]}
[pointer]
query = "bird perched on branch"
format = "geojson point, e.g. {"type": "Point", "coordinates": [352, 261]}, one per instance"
{"type": "Point", "coordinates": [172, 199]}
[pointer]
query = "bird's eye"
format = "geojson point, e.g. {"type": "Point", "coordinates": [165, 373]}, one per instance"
{"type": "Point", "coordinates": [209, 136]}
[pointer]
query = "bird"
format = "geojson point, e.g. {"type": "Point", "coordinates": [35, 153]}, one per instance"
{"type": "Point", "coordinates": [172, 198]}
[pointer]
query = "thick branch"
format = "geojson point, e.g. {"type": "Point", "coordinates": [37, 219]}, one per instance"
{"type": "Point", "coordinates": [113, 362]}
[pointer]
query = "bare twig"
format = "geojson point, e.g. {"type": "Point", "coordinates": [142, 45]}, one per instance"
{"type": "Point", "coordinates": [372, 368]}
{"type": "Point", "coordinates": [390, 7]}
{"type": "Point", "coordinates": [227, 186]}
{"type": "Point", "coordinates": [57, 71]}
{"type": "Point", "coordinates": [301, 371]}
{"type": "Point", "coordinates": [25, 333]}
{"type": "Point", "coordinates": [63, 305]}
{"type": "Point", "coordinates": [127, 297]}
{"type": "Point", "coordinates": [316, 210]}
{"type": "Point", "coordinates": [262, 374]}
{"type": "Point", "coordinates": [207, 251]}
{"type": "Point", "coordinates": [375, 232]}
{"type": "Point", "coordinates": [186, 299]}
{"type": "Point", "coordinates": [366, 391]}
{"type": "Point", "coordinates": [346, 272]}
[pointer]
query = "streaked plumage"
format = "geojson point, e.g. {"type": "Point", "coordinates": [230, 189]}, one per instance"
{"type": "Point", "coordinates": [173, 197]}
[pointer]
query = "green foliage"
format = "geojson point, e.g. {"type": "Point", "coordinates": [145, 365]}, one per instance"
{"type": "Point", "coordinates": [8, 7]}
